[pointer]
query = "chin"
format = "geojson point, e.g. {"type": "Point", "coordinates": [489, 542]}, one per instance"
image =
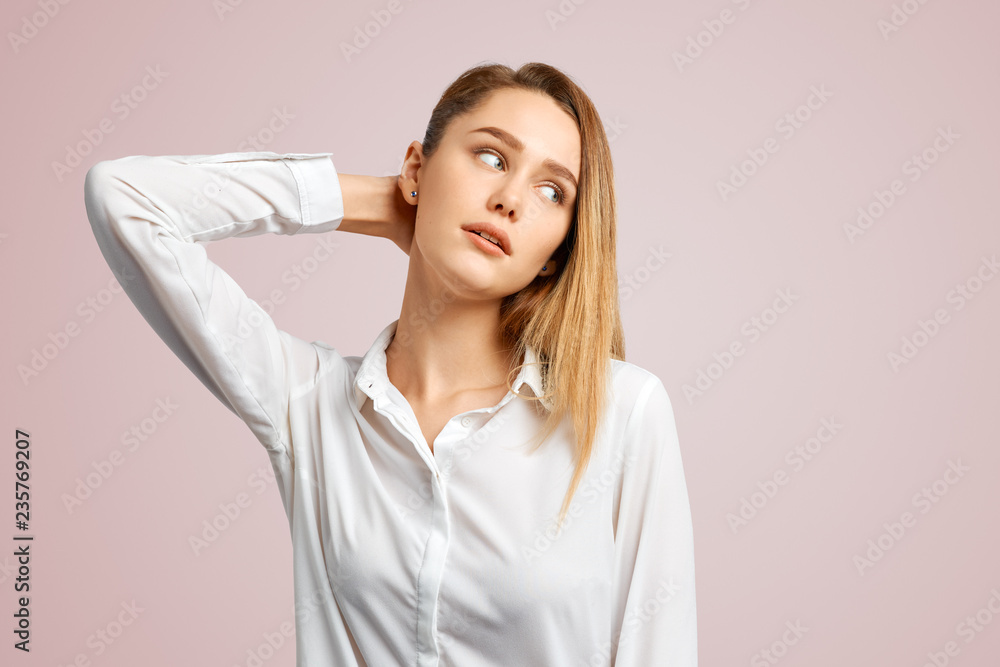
{"type": "Point", "coordinates": [473, 280]}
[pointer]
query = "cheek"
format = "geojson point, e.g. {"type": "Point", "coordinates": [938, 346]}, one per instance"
{"type": "Point", "coordinates": [541, 251]}
{"type": "Point", "coordinates": [555, 239]}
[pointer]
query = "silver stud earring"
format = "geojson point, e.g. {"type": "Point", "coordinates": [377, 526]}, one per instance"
{"type": "Point", "coordinates": [545, 268]}
{"type": "Point", "coordinates": [413, 193]}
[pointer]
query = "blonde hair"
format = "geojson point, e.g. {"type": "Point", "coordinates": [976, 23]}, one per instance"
{"type": "Point", "coordinates": [571, 319]}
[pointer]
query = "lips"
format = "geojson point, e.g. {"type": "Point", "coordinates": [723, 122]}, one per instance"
{"type": "Point", "coordinates": [491, 234]}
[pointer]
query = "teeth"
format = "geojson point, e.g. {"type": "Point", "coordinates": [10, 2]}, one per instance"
{"type": "Point", "coordinates": [489, 238]}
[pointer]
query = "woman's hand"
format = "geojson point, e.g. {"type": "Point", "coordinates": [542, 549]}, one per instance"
{"type": "Point", "coordinates": [374, 205]}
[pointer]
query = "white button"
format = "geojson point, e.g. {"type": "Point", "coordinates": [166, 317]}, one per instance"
{"type": "Point", "coordinates": [466, 421]}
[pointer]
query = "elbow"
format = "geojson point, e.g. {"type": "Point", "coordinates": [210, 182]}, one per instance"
{"type": "Point", "coordinates": [95, 187]}
{"type": "Point", "coordinates": [102, 194]}
{"type": "Point", "coordinates": [104, 199]}
{"type": "Point", "coordinates": [97, 182]}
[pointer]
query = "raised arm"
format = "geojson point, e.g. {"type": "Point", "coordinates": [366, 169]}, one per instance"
{"type": "Point", "coordinates": [151, 217]}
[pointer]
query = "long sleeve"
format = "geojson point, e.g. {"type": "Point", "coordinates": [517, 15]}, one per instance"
{"type": "Point", "coordinates": [151, 217]}
{"type": "Point", "coordinates": [656, 619]}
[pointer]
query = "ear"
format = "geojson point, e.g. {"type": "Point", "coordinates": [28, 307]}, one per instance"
{"type": "Point", "coordinates": [409, 174]}
{"type": "Point", "coordinates": [549, 269]}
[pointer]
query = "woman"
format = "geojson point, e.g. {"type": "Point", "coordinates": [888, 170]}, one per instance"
{"type": "Point", "coordinates": [441, 514]}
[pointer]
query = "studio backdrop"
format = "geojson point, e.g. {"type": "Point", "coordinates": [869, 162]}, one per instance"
{"type": "Point", "coordinates": [808, 258]}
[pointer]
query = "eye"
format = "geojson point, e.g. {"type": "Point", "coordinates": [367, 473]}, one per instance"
{"type": "Point", "coordinates": [494, 159]}
{"type": "Point", "coordinates": [558, 193]}
{"type": "Point", "coordinates": [491, 156]}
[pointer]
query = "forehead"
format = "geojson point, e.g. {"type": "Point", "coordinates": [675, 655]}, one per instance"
{"type": "Point", "coordinates": [546, 130]}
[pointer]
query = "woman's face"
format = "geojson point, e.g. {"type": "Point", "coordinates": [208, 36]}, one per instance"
{"type": "Point", "coordinates": [525, 186]}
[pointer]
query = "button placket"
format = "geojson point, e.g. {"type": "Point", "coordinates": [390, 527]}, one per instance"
{"type": "Point", "coordinates": [444, 451]}
{"type": "Point", "coordinates": [407, 426]}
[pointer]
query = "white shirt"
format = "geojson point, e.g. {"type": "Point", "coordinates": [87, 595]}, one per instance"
{"type": "Point", "coordinates": [401, 555]}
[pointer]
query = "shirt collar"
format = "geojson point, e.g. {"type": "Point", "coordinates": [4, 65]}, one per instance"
{"type": "Point", "coordinates": [372, 377]}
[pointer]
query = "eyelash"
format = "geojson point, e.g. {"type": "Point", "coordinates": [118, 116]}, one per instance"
{"type": "Point", "coordinates": [488, 149]}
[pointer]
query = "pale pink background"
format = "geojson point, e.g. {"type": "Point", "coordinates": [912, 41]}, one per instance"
{"type": "Point", "coordinates": [678, 133]}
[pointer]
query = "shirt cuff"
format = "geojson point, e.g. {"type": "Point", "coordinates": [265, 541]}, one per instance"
{"type": "Point", "coordinates": [320, 197]}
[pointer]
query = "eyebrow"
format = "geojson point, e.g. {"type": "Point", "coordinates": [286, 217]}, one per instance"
{"type": "Point", "coordinates": [518, 145]}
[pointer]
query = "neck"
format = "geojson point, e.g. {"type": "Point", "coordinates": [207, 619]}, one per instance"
{"type": "Point", "coordinates": [444, 345]}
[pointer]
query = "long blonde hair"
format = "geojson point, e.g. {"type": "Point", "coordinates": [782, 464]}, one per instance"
{"type": "Point", "coordinates": [571, 319]}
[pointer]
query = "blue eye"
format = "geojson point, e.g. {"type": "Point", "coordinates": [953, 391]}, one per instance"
{"type": "Point", "coordinates": [483, 152]}
{"type": "Point", "coordinates": [557, 193]}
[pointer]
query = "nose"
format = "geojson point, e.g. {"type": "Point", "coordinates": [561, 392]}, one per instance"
{"type": "Point", "coordinates": [509, 210]}
{"type": "Point", "coordinates": [507, 201]}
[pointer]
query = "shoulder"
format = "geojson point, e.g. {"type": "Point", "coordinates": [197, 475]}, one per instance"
{"type": "Point", "coordinates": [644, 415]}
{"type": "Point", "coordinates": [329, 368]}
{"type": "Point", "coordinates": [643, 448]}
{"type": "Point", "coordinates": [634, 387]}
